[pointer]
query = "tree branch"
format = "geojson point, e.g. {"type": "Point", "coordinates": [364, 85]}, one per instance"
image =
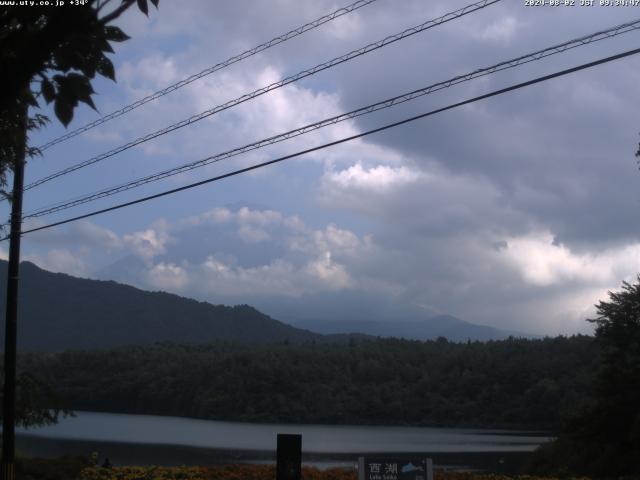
{"type": "Point", "coordinates": [102, 4]}
{"type": "Point", "coordinates": [117, 12]}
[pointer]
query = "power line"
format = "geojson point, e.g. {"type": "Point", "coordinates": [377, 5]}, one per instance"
{"type": "Point", "coordinates": [343, 140]}
{"type": "Point", "coordinates": [208, 71]}
{"type": "Point", "coordinates": [535, 56]}
{"type": "Point", "coordinates": [261, 91]}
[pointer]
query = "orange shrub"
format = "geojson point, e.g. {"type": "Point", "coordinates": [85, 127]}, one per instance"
{"type": "Point", "coordinates": [257, 472]}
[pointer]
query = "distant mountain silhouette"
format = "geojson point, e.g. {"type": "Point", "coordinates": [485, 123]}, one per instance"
{"type": "Point", "coordinates": [374, 314]}
{"type": "Point", "coordinates": [428, 328]}
{"type": "Point", "coordinates": [58, 312]}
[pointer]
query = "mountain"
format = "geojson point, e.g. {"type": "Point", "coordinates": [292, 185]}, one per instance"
{"type": "Point", "coordinates": [428, 328]}
{"type": "Point", "coordinates": [58, 311]}
{"type": "Point", "coordinates": [374, 314]}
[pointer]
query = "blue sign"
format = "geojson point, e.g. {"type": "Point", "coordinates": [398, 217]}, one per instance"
{"type": "Point", "coordinates": [394, 468]}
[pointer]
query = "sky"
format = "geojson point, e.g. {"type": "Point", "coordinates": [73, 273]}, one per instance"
{"type": "Point", "coordinates": [519, 211]}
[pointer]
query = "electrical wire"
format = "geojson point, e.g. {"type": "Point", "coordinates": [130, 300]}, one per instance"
{"type": "Point", "coordinates": [337, 142]}
{"type": "Point", "coordinates": [535, 56]}
{"type": "Point", "coordinates": [261, 91]}
{"type": "Point", "coordinates": [208, 71]}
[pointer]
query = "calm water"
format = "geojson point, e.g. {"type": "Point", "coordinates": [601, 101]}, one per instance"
{"type": "Point", "coordinates": [172, 440]}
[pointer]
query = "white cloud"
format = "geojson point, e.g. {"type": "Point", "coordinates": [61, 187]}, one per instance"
{"type": "Point", "coordinates": [217, 215]}
{"type": "Point", "coordinates": [91, 233]}
{"type": "Point", "coordinates": [82, 234]}
{"type": "Point", "coordinates": [154, 72]}
{"type": "Point", "coordinates": [278, 277]}
{"type": "Point", "coordinates": [436, 196]}
{"type": "Point", "coordinates": [379, 178]}
{"type": "Point", "coordinates": [541, 262]}
{"type": "Point", "coordinates": [250, 234]}
{"type": "Point", "coordinates": [502, 30]}
{"type": "Point", "coordinates": [148, 243]}
{"type": "Point", "coordinates": [168, 276]}
{"type": "Point", "coordinates": [246, 216]}
{"type": "Point", "coordinates": [333, 275]}
{"type": "Point", "coordinates": [60, 260]}
{"type": "Point", "coordinates": [345, 27]}
{"type": "Point", "coordinates": [310, 260]}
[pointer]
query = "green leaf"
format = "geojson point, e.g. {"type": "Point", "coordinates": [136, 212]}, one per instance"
{"type": "Point", "coordinates": [64, 111]}
{"type": "Point", "coordinates": [105, 68]}
{"type": "Point", "coordinates": [144, 8]}
{"type": "Point", "coordinates": [76, 87]}
{"type": "Point", "coordinates": [37, 121]}
{"type": "Point", "coordinates": [89, 101]}
{"type": "Point", "coordinates": [48, 90]}
{"type": "Point", "coordinates": [86, 64]}
{"type": "Point", "coordinates": [63, 56]}
{"type": "Point", "coordinates": [115, 34]}
{"type": "Point", "coordinates": [105, 46]}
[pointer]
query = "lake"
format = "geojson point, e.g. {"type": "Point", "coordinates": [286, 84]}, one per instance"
{"type": "Point", "coordinates": [147, 439]}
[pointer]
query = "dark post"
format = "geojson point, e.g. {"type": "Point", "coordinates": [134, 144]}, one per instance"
{"type": "Point", "coordinates": [11, 317]}
{"type": "Point", "coordinates": [289, 466]}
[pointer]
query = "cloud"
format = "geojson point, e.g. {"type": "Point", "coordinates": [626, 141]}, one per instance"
{"type": "Point", "coordinates": [517, 211]}
{"type": "Point", "coordinates": [82, 234]}
{"type": "Point", "coordinates": [381, 177]}
{"type": "Point", "coordinates": [333, 275]}
{"type": "Point", "coordinates": [296, 259]}
{"type": "Point", "coordinates": [542, 262]}
{"type": "Point", "coordinates": [246, 216]}
{"type": "Point", "coordinates": [501, 30]}
{"type": "Point", "coordinates": [60, 260]}
{"type": "Point", "coordinates": [250, 234]}
{"type": "Point", "coordinates": [167, 276]}
{"type": "Point", "coordinates": [148, 243]}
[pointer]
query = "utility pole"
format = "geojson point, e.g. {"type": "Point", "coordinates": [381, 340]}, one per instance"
{"type": "Point", "coordinates": [7, 471]}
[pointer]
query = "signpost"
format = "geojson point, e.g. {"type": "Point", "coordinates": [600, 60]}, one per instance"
{"type": "Point", "coordinates": [395, 468]}
{"type": "Point", "coordinates": [289, 457]}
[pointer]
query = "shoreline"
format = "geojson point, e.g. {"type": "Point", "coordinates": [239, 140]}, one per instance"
{"type": "Point", "coordinates": [126, 454]}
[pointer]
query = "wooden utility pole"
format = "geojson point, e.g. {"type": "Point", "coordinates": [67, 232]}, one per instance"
{"type": "Point", "coordinates": [7, 471]}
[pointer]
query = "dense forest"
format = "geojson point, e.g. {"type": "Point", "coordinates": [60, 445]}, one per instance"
{"type": "Point", "coordinates": [514, 383]}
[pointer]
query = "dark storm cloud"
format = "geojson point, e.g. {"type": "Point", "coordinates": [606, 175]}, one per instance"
{"type": "Point", "coordinates": [518, 211]}
{"type": "Point", "coordinates": [559, 153]}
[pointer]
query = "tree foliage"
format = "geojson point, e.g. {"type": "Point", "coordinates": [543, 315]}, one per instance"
{"type": "Point", "coordinates": [50, 55]}
{"type": "Point", "coordinates": [37, 403]}
{"type": "Point", "coordinates": [604, 439]}
{"type": "Point", "coordinates": [515, 383]}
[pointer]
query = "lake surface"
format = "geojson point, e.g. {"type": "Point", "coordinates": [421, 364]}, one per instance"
{"type": "Point", "coordinates": [171, 440]}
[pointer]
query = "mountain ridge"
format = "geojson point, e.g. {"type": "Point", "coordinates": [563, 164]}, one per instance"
{"type": "Point", "coordinates": [86, 313]}
{"type": "Point", "coordinates": [58, 311]}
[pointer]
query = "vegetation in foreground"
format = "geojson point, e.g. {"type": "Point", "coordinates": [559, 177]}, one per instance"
{"type": "Point", "coordinates": [257, 472]}
{"type": "Point", "coordinates": [602, 439]}
{"type": "Point", "coordinates": [77, 468]}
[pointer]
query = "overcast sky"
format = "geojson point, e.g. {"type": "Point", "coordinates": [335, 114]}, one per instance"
{"type": "Point", "coordinates": [518, 212]}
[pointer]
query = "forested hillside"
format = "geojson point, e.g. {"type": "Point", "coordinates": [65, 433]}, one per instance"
{"type": "Point", "coordinates": [58, 311]}
{"type": "Point", "coordinates": [514, 383]}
